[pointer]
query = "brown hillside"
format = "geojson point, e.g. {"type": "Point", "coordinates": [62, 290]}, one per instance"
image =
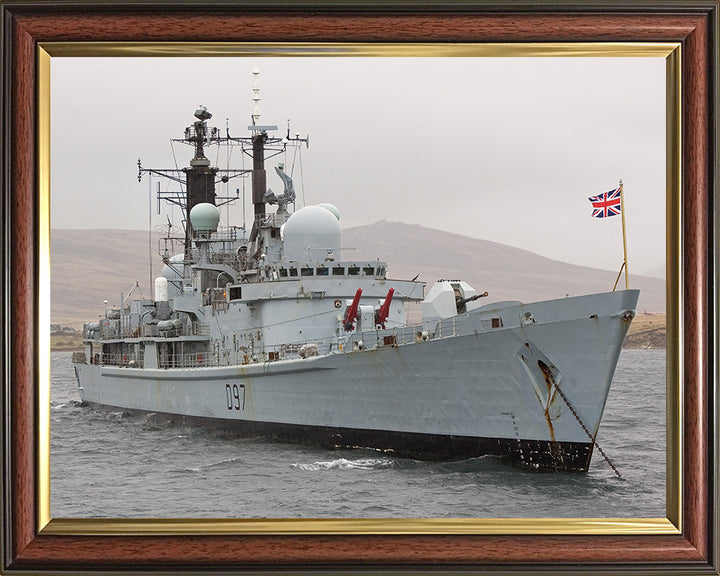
{"type": "Point", "coordinates": [90, 266]}
{"type": "Point", "coordinates": [507, 273]}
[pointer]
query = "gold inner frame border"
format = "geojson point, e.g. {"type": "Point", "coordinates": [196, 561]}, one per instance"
{"type": "Point", "coordinates": [381, 526]}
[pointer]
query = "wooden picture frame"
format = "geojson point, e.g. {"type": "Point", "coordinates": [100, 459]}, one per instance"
{"type": "Point", "coordinates": [687, 542]}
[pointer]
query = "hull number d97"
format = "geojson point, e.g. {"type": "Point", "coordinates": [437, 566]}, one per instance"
{"type": "Point", "coordinates": [235, 396]}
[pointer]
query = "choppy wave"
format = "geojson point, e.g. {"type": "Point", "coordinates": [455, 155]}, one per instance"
{"type": "Point", "coordinates": [220, 464]}
{"type": "Point", "coordinates": [345, 464]}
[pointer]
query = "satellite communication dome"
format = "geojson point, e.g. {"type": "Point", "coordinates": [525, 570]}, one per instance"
{"type": "Point", "coordinates": [310, 233]}
{"type": "Point", "coordinates": [204, 218]}
{"type": "Point", "coordinates": [332, 209]}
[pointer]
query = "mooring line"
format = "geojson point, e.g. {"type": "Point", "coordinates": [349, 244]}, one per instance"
{"type": "Point", "coordinates": [562, 395]}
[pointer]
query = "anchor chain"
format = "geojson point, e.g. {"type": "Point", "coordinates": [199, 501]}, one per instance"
{"type": "Point", "coordinates": [562, 395]}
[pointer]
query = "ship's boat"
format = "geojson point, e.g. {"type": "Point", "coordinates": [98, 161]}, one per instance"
{"type": "Point", "coordinates": [273, 332]}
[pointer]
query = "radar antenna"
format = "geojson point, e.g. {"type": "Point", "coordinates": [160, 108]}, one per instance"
{"type": "Point", "coordinates": [256, 96]}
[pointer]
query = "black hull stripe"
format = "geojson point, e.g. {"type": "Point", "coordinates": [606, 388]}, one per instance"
{"type": "Point", "coordinates": [536, 454]}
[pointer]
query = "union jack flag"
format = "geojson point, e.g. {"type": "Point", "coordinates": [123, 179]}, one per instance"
{"type": "Point", "coordinates": [606, 204]}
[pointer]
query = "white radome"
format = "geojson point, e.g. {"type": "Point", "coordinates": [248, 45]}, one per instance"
{"type": "Point", "coordinates": [332, 209]}
{"type": "Point", "coordinates": [204, 217]}
{"type": "Point", "coordinates": [310, 233]}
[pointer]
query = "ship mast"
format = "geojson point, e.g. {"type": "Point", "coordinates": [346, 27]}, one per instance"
{"type": "Point", "coordinates": [200, 178]}
{"type": "Point", "coordinates": [261, 143]}
{"type": "Point", "coordinates": [259, 176]}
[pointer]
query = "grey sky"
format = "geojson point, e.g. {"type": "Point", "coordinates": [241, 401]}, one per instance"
{"type": "Point", "coordinates": [503, 149]}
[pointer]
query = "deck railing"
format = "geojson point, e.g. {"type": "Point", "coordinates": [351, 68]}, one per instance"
{"type": "Point", "coordinates": [396, 336]}
{"type": "Point", "coordinates": [130, 360]}
{"type": "Point", "coordinates": [193, 360]}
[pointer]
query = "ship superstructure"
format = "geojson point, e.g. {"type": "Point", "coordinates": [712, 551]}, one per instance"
{"type": "Point", "coordinates": [274, 331]}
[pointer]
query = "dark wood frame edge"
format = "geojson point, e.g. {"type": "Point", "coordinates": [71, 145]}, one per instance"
{"type": "Point", "coordinates": [693, 24]}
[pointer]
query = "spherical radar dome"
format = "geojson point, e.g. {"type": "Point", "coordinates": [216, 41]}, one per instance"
{"type": "Point", "coordinates": [332, 209]}
{"type": "Point", "coordinates": [310, 233]}
{"type": "Point", "coordinates": [204, 217]}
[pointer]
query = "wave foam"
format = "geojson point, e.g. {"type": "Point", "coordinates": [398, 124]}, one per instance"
{"type": "Point", "coordinates": [345, 464]}
{"type": "Point", "coordinates": [220, 464]}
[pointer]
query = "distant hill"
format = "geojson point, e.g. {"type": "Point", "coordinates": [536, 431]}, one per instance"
{"type": "Point", "coordinates": [505, 272]}
{"type": "Point", "coordinates": [90, 266]}
{"type": "Point", "coordinates": [656, 271]}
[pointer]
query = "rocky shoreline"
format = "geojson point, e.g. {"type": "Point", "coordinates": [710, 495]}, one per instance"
{"type": "Point", "coordinates": [65, 339]}
{"type": "Point", "coordinates": [647, 331]}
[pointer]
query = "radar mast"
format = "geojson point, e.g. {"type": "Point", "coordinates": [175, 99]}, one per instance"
{"type": "Point", "coordinates": [200, 178]}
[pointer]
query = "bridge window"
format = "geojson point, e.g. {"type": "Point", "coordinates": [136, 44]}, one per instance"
{"type": "Point", "coordinates": [354, 271]}
{"type": "Point", "coordinates": [307, 271]}
{"type": "Point", "coordinates": [338, 270]}
{"type": "Point", "coordinates": [369, 271]}
{"type": "Point", "coordinates": [322, 271]}
{"type": "Point", "coordinates": [283, 272]}
{"type": "Point", "coordinates": [293, 271]}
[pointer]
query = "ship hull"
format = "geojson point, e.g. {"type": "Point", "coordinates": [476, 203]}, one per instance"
{"type": "Point", "coordinates": [536, 454]}
{"type": "Point", "coordinates": [532, 389]}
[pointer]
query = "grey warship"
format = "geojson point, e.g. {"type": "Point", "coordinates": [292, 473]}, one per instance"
{"type": "Point", "coordinates": [272, 331]}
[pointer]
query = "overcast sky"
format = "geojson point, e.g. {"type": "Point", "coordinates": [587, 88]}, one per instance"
{"type": "Point", "coordinates": [503, 149]}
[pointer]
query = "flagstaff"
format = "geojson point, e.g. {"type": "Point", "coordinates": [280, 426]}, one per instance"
{"type": "Point", "coordinates": [622, 214]}
{"type": "Point", "coordinates": [610, 204]}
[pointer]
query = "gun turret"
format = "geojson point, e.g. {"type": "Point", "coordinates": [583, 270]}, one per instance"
{"type": "Point", "coordinates": [461, 302]}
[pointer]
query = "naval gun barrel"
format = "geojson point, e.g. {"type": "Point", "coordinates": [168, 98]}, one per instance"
{"type": "Point", "coordinates": [460, 302]}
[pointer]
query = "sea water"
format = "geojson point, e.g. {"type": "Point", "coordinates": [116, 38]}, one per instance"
{"type": "Point", "coordinates": [115, 464]}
